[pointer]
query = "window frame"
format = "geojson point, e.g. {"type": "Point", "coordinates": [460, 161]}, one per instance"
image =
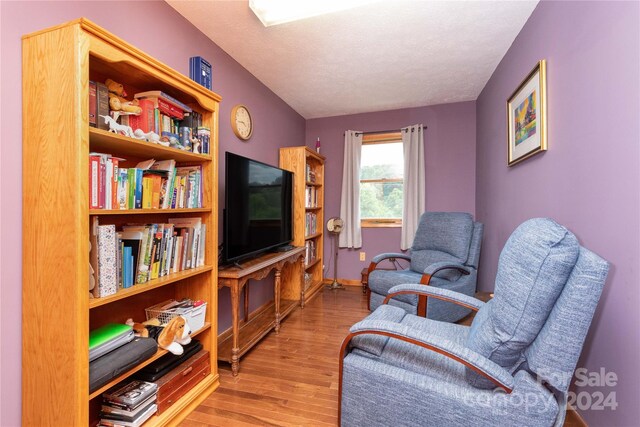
{"type": "Point", "coordinates": [381, 138]}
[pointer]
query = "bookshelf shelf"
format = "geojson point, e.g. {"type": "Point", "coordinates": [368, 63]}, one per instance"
{"type": "Point", "coordinates": [305, 163]}
{"type": "Point", "coordinates": [146, 211]}
{"type": "Point", "coordinates": [150, 285]}
{"type": "Point", "coordinates": [312, 263]}
{"type": "Point", "coordinates": [107, 142]}
{"type": "Point", "coordinates": [156, 356]}
{"type": "Point", "coordinates": [57, 219]}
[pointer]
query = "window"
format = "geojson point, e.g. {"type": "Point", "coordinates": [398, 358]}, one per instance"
{"type": "Point", "coordinates": [381, 180]}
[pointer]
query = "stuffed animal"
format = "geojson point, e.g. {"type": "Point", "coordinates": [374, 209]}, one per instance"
{"type": "Point", "coordinates": [117, 100]}
{"type": "Point", "coordinates": [175, 335]}
{"type": "Point", "coordinates": [170, 337]}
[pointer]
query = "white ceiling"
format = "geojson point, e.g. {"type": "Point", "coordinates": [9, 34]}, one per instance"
{"type": "Point", "coordinates": [385, 55]}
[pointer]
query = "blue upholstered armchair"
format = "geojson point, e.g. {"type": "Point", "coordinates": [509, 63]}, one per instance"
{"type": "Point", "coordinates": [444, 254]}
{"type": "Point", "coordinates": [513, 366]}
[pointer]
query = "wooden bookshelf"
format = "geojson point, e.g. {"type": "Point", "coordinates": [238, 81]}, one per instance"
{"type": "Point", "coordinates": [57, 312]}
{"type": "Point", "coordinates": [299, 160]}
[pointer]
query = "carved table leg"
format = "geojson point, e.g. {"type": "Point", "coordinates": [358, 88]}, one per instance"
{"type": "Point", "coordinates": [235, 349]}
{"type": "Point", "coordinates": [276, 297]}
{"type": "Point", "coordinates": [302, 282]}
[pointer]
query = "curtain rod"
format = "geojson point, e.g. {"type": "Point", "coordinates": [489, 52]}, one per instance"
{"type": "Point", "coordinates": [383, 131]}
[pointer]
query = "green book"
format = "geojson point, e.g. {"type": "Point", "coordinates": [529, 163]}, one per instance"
{"type": "Point", "coordinates": [108, 332]}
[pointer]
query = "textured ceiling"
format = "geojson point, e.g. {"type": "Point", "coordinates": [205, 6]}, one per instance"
{"type": "Point", "coordinates": [385, 55]}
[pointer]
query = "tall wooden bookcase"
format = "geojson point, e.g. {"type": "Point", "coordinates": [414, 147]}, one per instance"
{"type": "Point", "coordinates": [57, 311]}
{"type": "Point", "coordinates": [308, 203]}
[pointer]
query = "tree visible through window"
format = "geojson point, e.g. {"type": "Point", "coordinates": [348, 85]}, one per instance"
{"type": "Point", "coordinates": [381, 181]}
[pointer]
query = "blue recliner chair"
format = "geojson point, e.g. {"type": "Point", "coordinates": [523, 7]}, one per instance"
{"type": "Point", "coordinates": [513, 366]}
{"type": "Point", "coordinates": [444, 254]}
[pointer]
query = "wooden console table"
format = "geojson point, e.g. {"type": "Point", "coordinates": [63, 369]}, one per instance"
{"type": "Point", "coordinates": [245, 336]}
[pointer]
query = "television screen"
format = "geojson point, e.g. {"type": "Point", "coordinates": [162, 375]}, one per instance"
{"type": "Point", "coordinates": [258, 207]}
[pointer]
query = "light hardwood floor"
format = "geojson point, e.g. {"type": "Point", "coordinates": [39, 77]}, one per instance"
{"type": "Point", "coordinates": [290, 379]}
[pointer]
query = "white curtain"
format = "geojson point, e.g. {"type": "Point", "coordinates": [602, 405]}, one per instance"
{"type": "Point", "coordinates": [351, 236]}
{"type": "Point", "coordinates": [414, 183]}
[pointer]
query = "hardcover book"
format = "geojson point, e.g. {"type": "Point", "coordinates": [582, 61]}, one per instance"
{"type": "Point", "coordinates": [93, 104]}
{"type": "Point", "coordinates": [107, 283]}
{"type": "Point", "coordinates": [102, 105]}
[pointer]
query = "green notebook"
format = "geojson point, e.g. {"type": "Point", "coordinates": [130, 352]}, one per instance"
{"type": "Point", "coordinates": [108, 332]}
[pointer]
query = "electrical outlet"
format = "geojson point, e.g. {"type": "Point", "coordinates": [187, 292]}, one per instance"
{"type": "Point", "coordinates": [363, 256]}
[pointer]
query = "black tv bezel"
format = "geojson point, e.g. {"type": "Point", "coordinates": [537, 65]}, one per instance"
{"type": "Point", "coordinates": [253, 254]}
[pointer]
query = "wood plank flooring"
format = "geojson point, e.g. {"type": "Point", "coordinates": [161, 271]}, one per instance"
{"type": "Point", "coordinates": [290, 379]}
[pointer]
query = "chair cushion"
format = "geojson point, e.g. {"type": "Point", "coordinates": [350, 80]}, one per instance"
{"type": "Point", "coordinates": [380, 281]}
{"type": "Point", "coordinates": [448, 232]}
{"type": "Point", "coordinates": [532, 271]}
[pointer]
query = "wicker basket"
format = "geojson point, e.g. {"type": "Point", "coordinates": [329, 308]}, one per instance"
{"type": "Point", "coordinates": [194, 315]}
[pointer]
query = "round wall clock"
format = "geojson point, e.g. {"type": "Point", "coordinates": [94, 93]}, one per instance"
{"type": "Point", "coordinates": [241, 122]}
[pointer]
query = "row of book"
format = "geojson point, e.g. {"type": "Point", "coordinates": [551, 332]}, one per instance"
{"type": "Point", "coordinates": [311, 197]}
{"type": "Point", "coordinates": [310, 174]}
{"type": "Point", "coordinates": [149, 185]}
{"type": "Point", "coordinates": [142, 252]}
{"type": "Point", "coordinates": [130, 405]}
{"type": "Point", "coordinates": [310, 252]}
{"type": "Point", "coordinates": [310, 223]}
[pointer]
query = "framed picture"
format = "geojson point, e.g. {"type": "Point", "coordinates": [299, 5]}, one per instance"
{"type": "Point", "coordinates": [527, 116]}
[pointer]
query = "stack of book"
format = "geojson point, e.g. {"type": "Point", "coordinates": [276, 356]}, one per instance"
{"type": "Point", "coordinates": [310, 174]}
{"type": "Point", "coordinates": [311, 197]}
{"type": "Point", "coordinates": [310, 252]}
{"type": "Point", "coordinates": [130, 405]}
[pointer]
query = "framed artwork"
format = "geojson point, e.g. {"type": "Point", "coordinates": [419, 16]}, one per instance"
{"type": "Point", "coordinates": [527, 116]}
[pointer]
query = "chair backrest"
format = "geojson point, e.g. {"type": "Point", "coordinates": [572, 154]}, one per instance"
{"type": "Point", "coordinates": [554, 353]}
{"type": "Point", "coordinates": [538, 305]}
{"type": "Point", "coordinates": [446, 237]}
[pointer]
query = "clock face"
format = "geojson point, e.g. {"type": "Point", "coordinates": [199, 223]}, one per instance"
{"type": "Point", "coordinates": [241, 122]}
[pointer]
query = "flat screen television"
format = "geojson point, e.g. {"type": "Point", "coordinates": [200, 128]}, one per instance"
{"type": "Point", "coordinates": [258, 208]}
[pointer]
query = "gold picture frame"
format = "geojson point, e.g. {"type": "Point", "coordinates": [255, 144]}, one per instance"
{"type": "Point", "coordinates": [527, 116]}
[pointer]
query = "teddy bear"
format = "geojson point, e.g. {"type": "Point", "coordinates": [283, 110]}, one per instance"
{"type": "Point", "coordinates": [117, 100]}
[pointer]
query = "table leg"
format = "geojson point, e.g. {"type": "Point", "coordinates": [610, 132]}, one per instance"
{"type": "Point", "coordinates": [276, 297]}
{"type": "Point", "coordinates": [235, 363]}
{"type": "Point", "coordinates": [246, 303]}
{"type": "Point", "coordinates": [302, 282]}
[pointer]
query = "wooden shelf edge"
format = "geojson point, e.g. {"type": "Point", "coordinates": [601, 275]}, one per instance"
{"type": "Point", "coordinates": [312, 263]}
{"type": "Point", "coordinates": [312, 236]}
{"type": "Point", "coordinates": [145, 287]}
{"type": "Point", "coordinates": [135, 369]}
{"type": "Point", "coordinates": [313, 208]}
{"type": "Point", "coordinates": [312, 184]}
{"type": "Point", "coordinates": [146, 211]}
{"type": "Point", "coordinates": [187, 403]}
{"type": "Point", "coordinates": [103, 140]}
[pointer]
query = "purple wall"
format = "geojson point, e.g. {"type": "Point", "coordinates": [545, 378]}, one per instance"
{"type": "Point", "coordinates": [450, 164]}
{"type": "Point", "coordinates": [170, 39]}
{"type": "Point", "coordinates": [588, 180]}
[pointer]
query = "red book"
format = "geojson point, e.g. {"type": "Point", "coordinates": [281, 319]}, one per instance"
{"type": "Point", "coordinates": [146, 120]}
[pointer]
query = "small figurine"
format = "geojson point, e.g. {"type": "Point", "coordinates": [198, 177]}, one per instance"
{"type": "Point", "coordinates": [149, 136]}
{"type": "Point", "coordinates": [117, 128]}
{"type": "Point", "coordinates": [195, 144]}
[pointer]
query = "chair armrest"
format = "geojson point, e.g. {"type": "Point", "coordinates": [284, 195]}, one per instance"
{"type": "Point", "coordinates": [472, 360]}
{"type": "Point", "coordinates": [439, 266]}
{"type": "Point", "coordinates": [439, 293]}
{"type": "Point", "coordinates": [381, 257]}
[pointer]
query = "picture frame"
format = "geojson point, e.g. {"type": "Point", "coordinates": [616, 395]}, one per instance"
{"type": "Point", "coordinates": [527, 116]}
